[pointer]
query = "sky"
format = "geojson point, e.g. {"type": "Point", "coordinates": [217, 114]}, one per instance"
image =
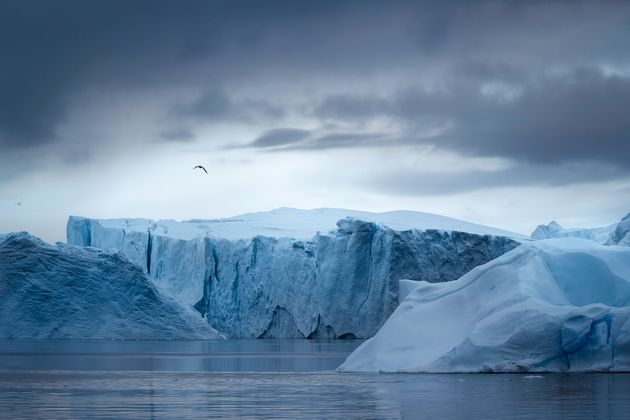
{"type": "Point", "coordinates": [504, 113]}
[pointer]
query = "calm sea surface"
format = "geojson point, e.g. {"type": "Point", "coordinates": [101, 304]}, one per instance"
{"type": "Point", "coordinates": [286, 379]}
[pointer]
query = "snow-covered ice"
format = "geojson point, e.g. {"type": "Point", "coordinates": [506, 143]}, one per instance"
{"type": "Point", "coordinates": [61, 292]}
{"type": "Point", "coordinates": [554, 230]}
{"type": "Point", "coordinates": [550, 305]}
{"type": "Point", "coordinates": [296, 273]}
{"type": "Point", "coordinates": [282, 223]}
{"type": "Point", "coordinates": [615, 234]}
{"type": "Point", "coordinates": [405, 287]}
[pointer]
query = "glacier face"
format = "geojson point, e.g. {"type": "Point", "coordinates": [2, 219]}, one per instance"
{"type": "Point", "coordinates": [343, 283]}
{"type": "Point", "coordinates": [62, 292]}
{"type": "Point", "coordinates": [552, 305]}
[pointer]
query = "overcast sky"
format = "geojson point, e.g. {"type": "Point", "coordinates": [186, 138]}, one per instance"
{"type": "Point", "coordinates": [506, 113]}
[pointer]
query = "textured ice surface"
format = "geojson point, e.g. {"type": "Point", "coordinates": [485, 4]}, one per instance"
{"type": "Point", "coordinates": [621, 234]}
{"type": "Point", "coordinates": [554, 230]}
{"type": "Point", "coordinates": [341, 282]}
{"type": "Point", "coordinates": [278, 223]}
{"type": "Point", "coordinates": [615, 234]}
{"type": "Point", "coordinates": [49, 291]}
{"type": "Point", "coordinates": [550, 305]}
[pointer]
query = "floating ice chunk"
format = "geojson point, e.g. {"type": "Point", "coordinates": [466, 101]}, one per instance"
{"type": "Point", "coordinates": [551, 305]}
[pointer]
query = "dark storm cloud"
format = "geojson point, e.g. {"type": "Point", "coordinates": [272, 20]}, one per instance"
{"type": "Point", "coordinates": [217, 106]}
{"type": "Point", "coordinates": [540, 106]}
{"type": "Point", "coordinates": [292, 139]}
{"type": "Point", "coordinates": [52, 51]}
{"type": "Point", "coordinates": [280, 137]}
{"type": "Point", "coordinates": [338, 140]}
{"type": "Point", "coordinates": [210, 106]}
{"type": "Point", "coordinates": [410, 182]}
{"type": "Point", "coordinates": [181, 134]}
{"type": "Point", "coordinates": [580, 116]}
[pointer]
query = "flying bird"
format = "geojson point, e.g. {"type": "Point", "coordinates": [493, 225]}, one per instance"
{"type": "Point", "coordinates": [200, 167]}
{"type": "Point", "coordinates": [19, 203]}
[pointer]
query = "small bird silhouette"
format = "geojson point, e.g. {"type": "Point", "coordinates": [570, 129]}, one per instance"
{"type": "Point", "coordinates": [200, 167]}
{"type": "Point", "coordinates": [19, 203]}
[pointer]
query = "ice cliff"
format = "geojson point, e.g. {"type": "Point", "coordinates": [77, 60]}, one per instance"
{"type": "Point", "coordinates": [62, 292]}
{"type": "Point", "coordinates": [292, 273]}
{"type": "Point", "coordinates": [554, 305]}
{"type": "Point", "coordinates": [621, 234]}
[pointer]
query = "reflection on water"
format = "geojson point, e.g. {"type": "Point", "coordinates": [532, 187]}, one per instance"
{"type": "Point", "coordinates": [207, 380]}
{"type": "Point", "coordinates": [177, 356]}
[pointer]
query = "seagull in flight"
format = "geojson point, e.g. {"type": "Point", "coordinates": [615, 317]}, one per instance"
{"type": "Point", "coordinates": [200, 167]}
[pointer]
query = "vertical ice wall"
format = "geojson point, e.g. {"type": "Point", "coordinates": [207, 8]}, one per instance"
{"type": "Point", "coordinates": [621, 234]}
{"type": "Point", "coordinates": [342, 284]}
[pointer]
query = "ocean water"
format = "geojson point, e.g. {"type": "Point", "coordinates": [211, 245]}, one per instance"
{"type": "Point", "coordinates": [275, 379]}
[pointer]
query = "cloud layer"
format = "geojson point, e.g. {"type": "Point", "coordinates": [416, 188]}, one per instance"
{"type": "Point", "coordinates": [542, 86]}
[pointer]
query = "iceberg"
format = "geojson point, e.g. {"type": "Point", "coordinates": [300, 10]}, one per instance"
{"type": "Point", "coordinates": [615, 234]}
{"type": "Point", "coordinates": [555, 305]}
{"type": "Point", "coordinates": [621, 234]}
{"type": "Point", "coordinates": [64, 292]}
{"type": "Point", "coordinates": [554, 230]}
{"type": "Point", "coordinates": [296, 273]}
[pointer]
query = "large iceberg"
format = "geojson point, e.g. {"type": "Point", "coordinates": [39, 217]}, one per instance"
{"type": "Point", "coordinates": [55, 291]}
{"type": "Point", "coordinates": [553, 305]}
{"type": "Point", "coordinates": [296, 273]}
